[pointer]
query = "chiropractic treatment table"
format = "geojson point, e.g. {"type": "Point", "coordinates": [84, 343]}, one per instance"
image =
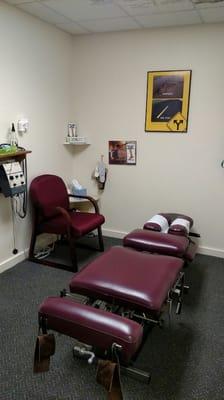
{"type": "Point", "coordinates": [117, 298]}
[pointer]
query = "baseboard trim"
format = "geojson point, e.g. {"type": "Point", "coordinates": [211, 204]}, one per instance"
{"type": "Point", "coordinates": [12, 261]}
{"type": "Point", "coordinates": [208, 251]}
{"type": "Point", "coordinates": [211, 251]}
{"type": "Point", "coordinates": [112, 233]}
{"type": "Point", "coordinates": [22, 255]}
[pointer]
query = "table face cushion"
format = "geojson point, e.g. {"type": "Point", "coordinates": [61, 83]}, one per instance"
{"type": "Point", "coordinates": [157, 242]}
{"type": "Point", "coordinates": [129, 277]}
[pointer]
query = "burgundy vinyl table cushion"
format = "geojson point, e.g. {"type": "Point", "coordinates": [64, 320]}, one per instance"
{"type": "Point", "coordinates": [137, 279]}
{"type": "Point", "coordinates": [157, 242]}
{"type": "Point", "coordinates": [92, 326]}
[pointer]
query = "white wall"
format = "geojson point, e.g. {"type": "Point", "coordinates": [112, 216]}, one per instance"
{"type": "Point", "coordinates": [100, 82]}
{"type": "Point", "coordinates": [35, 81]}
{"type": "Point", "coordinates": [174, 172]}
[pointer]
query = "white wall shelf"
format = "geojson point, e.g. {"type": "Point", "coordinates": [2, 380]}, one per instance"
{"type": "Point", "coordinates": [87, 143]}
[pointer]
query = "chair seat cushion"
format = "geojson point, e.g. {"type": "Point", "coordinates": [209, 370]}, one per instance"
{"type": "Point", "coordinates": [92, 326]}
{"type": "Point", "coordinates": [81, 223]}
{"type": "Point", "coordinates": [140, 280]}
{"type": "Point", "coordinates": [157, 242]}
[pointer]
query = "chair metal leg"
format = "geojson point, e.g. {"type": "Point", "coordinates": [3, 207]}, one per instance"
{"type": "Point", "coordinates": [100, 237]}
{"type": "Point", "coordinates": [32, 244]}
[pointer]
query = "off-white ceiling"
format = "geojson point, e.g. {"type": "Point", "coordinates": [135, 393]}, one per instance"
{"type": "Point", "coordinates": [89, 16]}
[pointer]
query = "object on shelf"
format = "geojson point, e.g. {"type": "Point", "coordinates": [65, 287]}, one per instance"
{"type": "Point", "coordinates": [72, 129]}
{"type": "Point", "coordinates": [7, 149]}
{"type": "Point", "coordinates": [13, 136]}
{"type": "Point", "coordinates": [78, 189]}
{"type": "Point", "coordinates": [72, 135]}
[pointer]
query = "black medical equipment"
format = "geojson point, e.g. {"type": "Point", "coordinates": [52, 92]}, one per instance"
{"type": "Point", "coordinates": [13, 180]}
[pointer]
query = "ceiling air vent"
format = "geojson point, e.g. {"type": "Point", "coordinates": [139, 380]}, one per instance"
{"type": "Point", "coordinates": [99, 2]}
{"type": "Point", "coordinates": [207, 1]}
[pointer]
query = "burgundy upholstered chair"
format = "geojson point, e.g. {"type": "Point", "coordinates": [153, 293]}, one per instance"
{"type": "Point", "coordinates": [52, 214]}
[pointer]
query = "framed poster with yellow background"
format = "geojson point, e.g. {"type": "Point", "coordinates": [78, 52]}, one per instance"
{"type": "Point", "coordinates": [167, 102]}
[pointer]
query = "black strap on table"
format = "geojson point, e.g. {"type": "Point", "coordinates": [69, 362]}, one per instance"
{"type": "Point", "coordinates": [108, 375]}
{"type": "Point", "coordinates": [44, 349]}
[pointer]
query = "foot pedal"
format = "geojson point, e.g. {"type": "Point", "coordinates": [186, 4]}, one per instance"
{"type": "Point", "coordinates": [179, 308]}
{"type": "Point", "coordinates": [85, 352]}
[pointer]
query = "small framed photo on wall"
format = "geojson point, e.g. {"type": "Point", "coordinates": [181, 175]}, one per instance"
{"type": "Point", "coordinates": [122, 152]}
{"type": "Point", "coordinates": [167, 101]}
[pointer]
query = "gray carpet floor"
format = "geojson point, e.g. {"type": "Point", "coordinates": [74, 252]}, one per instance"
{"type": "Point", "coordinates": [186, 359]}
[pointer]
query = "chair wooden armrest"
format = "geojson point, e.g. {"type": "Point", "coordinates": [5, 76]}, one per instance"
{"type": "Point", "coordinates": [91, 199]}
{"type": "Point", "coordinates": [65, 214]}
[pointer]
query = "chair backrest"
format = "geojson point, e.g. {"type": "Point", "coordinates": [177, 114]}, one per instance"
{"type": "Point", "coordinates": [48, 192]}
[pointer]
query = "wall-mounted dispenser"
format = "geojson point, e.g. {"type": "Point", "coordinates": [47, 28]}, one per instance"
{"type": "Point", "coordinates": [23, 125]}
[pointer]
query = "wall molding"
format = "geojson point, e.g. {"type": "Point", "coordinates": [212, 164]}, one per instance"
{"type": "Point", "coordinates": [208, 251]}
{"type": "Point", "coordinates": [211, 251]}
{"type": "Point", "coordinates": [113, 233]}
{"type": "Point", "coordinates": [12, 261]}
{"type": "Point", "coordinates": [22, 255]}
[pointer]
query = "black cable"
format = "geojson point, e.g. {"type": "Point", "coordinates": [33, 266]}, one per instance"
{"type": "Point", "coordinates": [15, 250]}
{"type": "Point", "coordinates": [25, 192]}
{"type": "Point", "coordinates": [20, 208]}
{"type": "Point", "coordinates": [23, 210]}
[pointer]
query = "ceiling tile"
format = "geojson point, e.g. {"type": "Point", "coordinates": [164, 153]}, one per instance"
{"type": "Point", "coordinates": [208, 4]}
{"type": "Point", "coordinates": [111, 24]}
{"type": "Point", "coordinates": [85, 9]}
{"type": "Point", "coordinates": [138, 7]}
{"type": "Point", "coordinates": [44, 13]}
{"type": "Point", "coordinates": [146, 7]}
{"type": "Point", "coordinates": [210, 15]}
{"type": "Point", "coordinates": [15, 2]}
{"type": "Point", "coordinates": [174, 5]}
{"type": "Point", "coordinates": [170, 19]}
{"type": "Point", "coordinates": [83, 16]}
